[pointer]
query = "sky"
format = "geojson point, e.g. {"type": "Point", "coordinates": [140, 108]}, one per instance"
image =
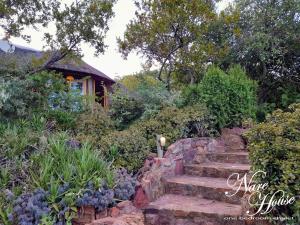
{"type": "Point", "coordinates": [111, 62]}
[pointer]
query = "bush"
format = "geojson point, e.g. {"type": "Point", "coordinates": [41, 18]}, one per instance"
{"type": "Point", "coordinates": [124, 109]}
{"type": "Point", "coordinates": [134, 144]}
{"type": "Point", "coordinates": [230, 97]}
{"type": "Point", "coordinates": [92, 125]}
{"type": "Point", "coordinates": [176, 123]}
{"type": "Point", "coordinates": [154, 97]}
{"type": "Point", "coordinates": [65, 175]}
{"type": "Point", "coordinates": [289, 96]}
{"type": "Point", "coordinates": [62, 163]}
{"type": "Point", "coordinates": [64, 120]}
{"type": "Point", "coordinates": [132, 148]}
{"type": "Point", "coordinates": [144, 98]}
{"type": "Point", "coordinates": [275, 149]}
{"type": "Point", "coordinates": [22, 97]}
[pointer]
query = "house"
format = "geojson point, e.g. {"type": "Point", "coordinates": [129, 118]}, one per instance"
{"type": "Point", "coordinates": [79, 75]}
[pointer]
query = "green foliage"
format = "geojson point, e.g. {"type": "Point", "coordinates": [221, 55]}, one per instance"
{"type": "Point", "coordinates": [18, 139]}
{"type": "Point", "coordinates": [91, 22]}
{"type": "Point", "coordinates": [60, 164]}
{"type": "Point", "coordinates": [174, 123]}
{"type": "Point", "coordinates": [289, 96]}
{"type": "Point", "coordinates": [132, 82]}
{"type": "Point", "coordinates": [92, 125]}
{"type": "Point", "coordinates": [155, 97]}
{"type": "Point", "coordinates": [230, 97]}
{"type": "Point", "coordinates": [131, 146]}
{"type": "Point", "coordinates": [20, 98]}
{"type": "Point", "coordinates": [145, 97]}
{"type": "Point", "coordinates": [4, 177]}
{"type": "Point", "coordinates": [124, 109]}
{"type": "Point", "coordinates": [275, 149]}
{"type": "Point", "coordinates": [64, 120]}
{"type": "Point", "coordinates": [170, 33]}
{"type": "Point", "coordinates": [263, 110]}
{"type": "Point", "coordinates": [267, 44]}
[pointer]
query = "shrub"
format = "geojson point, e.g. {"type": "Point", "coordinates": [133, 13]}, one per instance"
{"type": "Point", "coordinates": [124, 109]}
{"type": "Point", "coordinates": [154, 97]}
{"type": "Point", "coordinates": [289, 96]}
{"type": "Point", "coordinates": [230, 97]}
{"type": "Point", "coordinates": [132, 82]}
{"type": "Point", "coordinates": [263, 110]}
{"type": "Point", "coordinates": [92, 125]}
{"type": "Point", "coordinates": [63, 164]}
{"type": "Point", "coordinates": [18, 139]}
{"type": "Point", "coordinates": [176, 123]}
{"type": "Point", "coordinates": [135, 143]}
{"type": "Point", "coordinates": [132, 148]}
{"type": "Point", "coordinates": [64, 120]}
{"type": "Point", "coordinates": [275, 149]}
{"type": "Point", "coordinates": [22, 97]}
{"type": "Point", "coordinates": [144, 98]}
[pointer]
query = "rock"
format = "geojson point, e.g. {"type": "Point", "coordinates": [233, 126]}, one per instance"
{"type": "Point", "coordinates": [151, 219]}
{"type": "Point", "coordinates": [102, 214]}
{"type": "Point", "coordinates": [179, 167]}
{"type": "Point", "coordinates": [124, 204]}
{"type": "Point", "coordinates": [85, 215]}
{"type": "Point", "coordinates": [189, 155]}
{"type": "Point", "coordinates": [125, 219]}
{"type": "Point", "coordinates": [140, 198]}
{"type": "Point", "coordinates": [126, 207]}
{"type": "Point", "coordinates": [233, 138]}
{"type": "Point", "coordinates": [124, 213]}
{"type": "Point", "coordinates": [114, 212]}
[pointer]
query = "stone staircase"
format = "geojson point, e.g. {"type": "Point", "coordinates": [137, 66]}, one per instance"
{"type": "Point", "coordinates": [197, 197]}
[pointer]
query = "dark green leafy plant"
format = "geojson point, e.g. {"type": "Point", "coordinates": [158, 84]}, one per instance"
{"type": "Point", "coordinates": [64, 120]}
{"type": "Point", "coordinates": [154, 97]}
{"type": "Point", "coordinates": [230, 97]}
{"type": "Point", "coordinates": [275, 149]}
{"type": "Point", "coordinates": [135, 143]}
{"type": "Point", "coordinates": [92, 124]}
{"type": "Point", "coordinates": [131, 146]}
{"type": "Point", "coordinates": [124, 108]}
{"type": "Point", "coordinates": [20, 98]}
{"type": "Point", "coordinates": [61, 163]}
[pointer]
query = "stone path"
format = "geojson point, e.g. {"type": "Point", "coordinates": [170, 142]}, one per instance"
{"type": "Point", "coordinates": [198, 196]}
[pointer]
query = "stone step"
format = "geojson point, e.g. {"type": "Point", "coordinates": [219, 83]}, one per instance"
{"type": "Point", "coordinates": [224, 157]}
{"type": "Point", "coordinates": [215, 169]}
{"type": "Point", "coordinates": [206, 187]}
{"type": "Point", "coordinates": [179, 209]}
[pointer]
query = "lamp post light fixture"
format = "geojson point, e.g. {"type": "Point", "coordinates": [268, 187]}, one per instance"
{"type": "Point", "coordinates": [161, 142]}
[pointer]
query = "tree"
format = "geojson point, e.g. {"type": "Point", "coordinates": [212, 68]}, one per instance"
{"type": "Point", "coordinates": [267, 45]}
{"type": "Point", "coordinates": [168, 32]}
{"type": "Point", "coordinates": [82, 21]}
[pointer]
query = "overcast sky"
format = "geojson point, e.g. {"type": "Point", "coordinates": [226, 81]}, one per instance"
{"type": "Point", "coordinates": [111, 62]}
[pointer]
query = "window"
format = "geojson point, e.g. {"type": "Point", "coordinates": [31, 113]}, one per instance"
{"type": "Point", "coordinates": [77, 86]}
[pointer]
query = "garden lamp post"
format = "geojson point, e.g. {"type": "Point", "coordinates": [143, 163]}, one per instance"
{"type": "Point", "coordinates": [161, 142]}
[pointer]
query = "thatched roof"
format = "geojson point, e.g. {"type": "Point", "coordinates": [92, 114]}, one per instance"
{"type": "Point", "coordinates": [65, 65]}
{"type": "Point", "coordinates": [80, 67]}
